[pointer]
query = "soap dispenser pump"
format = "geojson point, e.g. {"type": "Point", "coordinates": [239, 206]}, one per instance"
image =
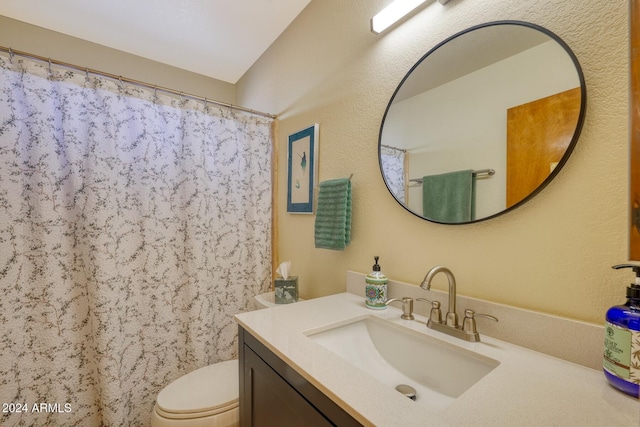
{"type": "Point", "coordinates": [621, 363]}
{"type": "Point", "coordinates": [376, 288]}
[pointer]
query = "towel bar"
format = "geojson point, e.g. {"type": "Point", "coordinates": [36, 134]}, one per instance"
{"type": "Point", "coordinates": [488, 172]}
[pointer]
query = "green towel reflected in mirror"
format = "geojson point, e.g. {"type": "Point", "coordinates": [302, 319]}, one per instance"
{"type": "Point", "coordinates": [449, 197]}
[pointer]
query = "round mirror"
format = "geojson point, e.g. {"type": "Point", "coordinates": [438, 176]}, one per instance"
{"type": "Point", "coordinates": [482, 122]}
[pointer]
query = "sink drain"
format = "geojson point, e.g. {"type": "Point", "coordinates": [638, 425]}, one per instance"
{"type": "Point", "coordinates": [407, 390]}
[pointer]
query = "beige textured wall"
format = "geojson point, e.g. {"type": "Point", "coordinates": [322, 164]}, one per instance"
{"type": "Point", "coordinates": [554, 254]}
{"type": "Point", "coordinates": [50, 44]}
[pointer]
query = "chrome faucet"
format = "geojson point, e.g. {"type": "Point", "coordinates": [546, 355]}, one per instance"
{"type": "Point", "coordinates": [452, 316]}
{"type": "Point", "coordinates": [467, 331]}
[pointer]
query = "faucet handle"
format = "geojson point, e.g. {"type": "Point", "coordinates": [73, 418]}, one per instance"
{"type": "Point", "coordinates": [472, 314]}
{"type": "Point", "coordinates": [436, 314]}
{"type": "Point", "coordinates": [407, 307]}
{"type": "Point", "coordinates": [469, 322]}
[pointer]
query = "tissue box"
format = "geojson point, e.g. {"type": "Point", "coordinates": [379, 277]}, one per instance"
{"type": "Point", "coordinates": [286, 290]}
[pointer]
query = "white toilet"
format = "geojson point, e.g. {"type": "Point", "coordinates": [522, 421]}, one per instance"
{"type": "Point", "coordinates": [206, 397]}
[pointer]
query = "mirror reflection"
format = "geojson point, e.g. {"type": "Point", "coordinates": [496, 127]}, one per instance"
{"type": "Point", "coordinates": [482, 122]}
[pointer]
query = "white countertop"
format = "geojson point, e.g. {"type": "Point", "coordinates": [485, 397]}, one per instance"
{"type": "Point", "coordinates": [527, 388]}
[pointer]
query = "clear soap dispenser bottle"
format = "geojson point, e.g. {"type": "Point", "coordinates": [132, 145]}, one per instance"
{"type": "Point", "coordinates": [376, 288]}
{"type": "Point", "coordinates": [621, 363]}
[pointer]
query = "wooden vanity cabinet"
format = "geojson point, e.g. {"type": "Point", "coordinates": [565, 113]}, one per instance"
{"type": "Point", "coordinates": [273, 394]}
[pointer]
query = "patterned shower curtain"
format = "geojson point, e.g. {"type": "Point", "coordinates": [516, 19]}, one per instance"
{"type": "Point", "coordinates": [392, 161]}
{"type": "Point", "coordinates": [133, 226]}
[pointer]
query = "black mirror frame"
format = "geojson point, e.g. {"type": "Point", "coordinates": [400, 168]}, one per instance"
{"type": "Point", "coordinates": [565, 157]}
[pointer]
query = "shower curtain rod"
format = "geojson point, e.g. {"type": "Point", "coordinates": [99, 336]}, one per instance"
{"type": "Point", "coordinates": [393, 148]}
{"type": "Point", "coordinates": [13, 52]}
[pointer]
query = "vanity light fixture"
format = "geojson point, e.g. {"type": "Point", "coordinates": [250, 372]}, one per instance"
{"type": "Point", "coordinates": [394, 12]}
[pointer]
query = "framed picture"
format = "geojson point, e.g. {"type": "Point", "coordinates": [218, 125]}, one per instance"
{"type": "Point", "coordinates": [302, 170]}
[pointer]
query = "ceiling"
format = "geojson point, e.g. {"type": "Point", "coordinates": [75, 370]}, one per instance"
{"type": "Point", "coordinates": [469, 52]}
{"type": "Point", "coordinates": [217, 38]}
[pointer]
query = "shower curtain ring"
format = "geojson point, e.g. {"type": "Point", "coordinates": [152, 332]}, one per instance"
{"type": "Point", "coordinates": [11, 54]}
{"type": "Point", "coordinates": [50, 70]}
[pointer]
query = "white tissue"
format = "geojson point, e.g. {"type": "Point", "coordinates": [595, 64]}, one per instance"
{"type": "Point", "coordinates": [283, 269]}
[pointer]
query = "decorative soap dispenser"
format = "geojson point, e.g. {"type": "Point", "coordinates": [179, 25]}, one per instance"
{"type": "Point", "coordinates": [376, 288]}
{"type": "Point", "coordinates": [621, 362]}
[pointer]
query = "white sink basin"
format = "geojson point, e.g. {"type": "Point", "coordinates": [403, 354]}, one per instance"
{"type": "Point", "coordinates": [437, 370]}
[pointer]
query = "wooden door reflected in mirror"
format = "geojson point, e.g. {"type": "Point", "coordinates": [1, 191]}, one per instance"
{"type": "Point", "coordinates": [538, 135]}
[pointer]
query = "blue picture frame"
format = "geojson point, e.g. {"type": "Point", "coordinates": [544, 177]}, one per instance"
{"type": "Point", "coordinates": [302, 171]}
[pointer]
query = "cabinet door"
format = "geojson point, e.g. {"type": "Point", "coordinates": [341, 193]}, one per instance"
{"type": "Point", "coordinates": [273, 402]}
{"type": "Point", "coordinates": [272, 393]}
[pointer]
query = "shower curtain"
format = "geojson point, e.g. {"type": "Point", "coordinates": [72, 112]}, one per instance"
{"type": "Point", "coordinates": [133, 226]}
{"type": "Point", "coordinates": [392, 161]}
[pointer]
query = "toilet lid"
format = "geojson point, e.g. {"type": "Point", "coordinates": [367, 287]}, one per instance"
{"type": "Point", "coordinates": [206, 389]}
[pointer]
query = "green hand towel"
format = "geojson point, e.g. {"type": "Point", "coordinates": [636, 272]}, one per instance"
{"type": "Point", "coordinates": [333, 215]}
{"type": "Point", "coordinates": [449, 197]}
